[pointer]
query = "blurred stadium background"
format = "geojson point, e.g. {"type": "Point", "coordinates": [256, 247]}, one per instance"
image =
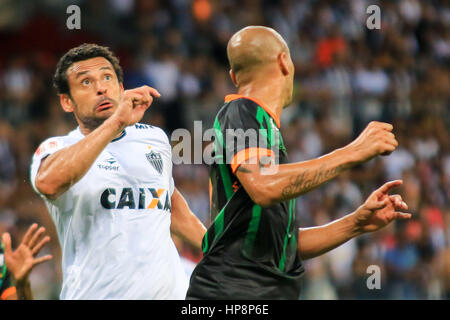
{"type": "Point", "coordinates": [346, 76]}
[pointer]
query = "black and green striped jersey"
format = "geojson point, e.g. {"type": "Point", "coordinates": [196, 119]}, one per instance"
{"type": "Point", "coordinates": [250, 252]}
{"type": "Point", "coordinates": [6, 282]}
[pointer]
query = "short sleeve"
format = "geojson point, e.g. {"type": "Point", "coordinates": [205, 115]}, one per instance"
{"type": "Point", "coordinates": [243, 136]}
{"type": "Point", "coordinates": [46, 148]}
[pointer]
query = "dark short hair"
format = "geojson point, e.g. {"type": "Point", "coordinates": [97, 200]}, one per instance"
{"type": "Point", "coordinates": [80, 53]}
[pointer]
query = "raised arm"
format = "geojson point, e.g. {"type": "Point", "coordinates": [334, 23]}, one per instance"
{"type": "Point", "coordinates": [59, 171]}
{"type": "Point", "coordinates": [184, 223]}
{"type": "Point", "coordinates": [292, 180]}
{"type": "Point", "coordinates": [379, 210]}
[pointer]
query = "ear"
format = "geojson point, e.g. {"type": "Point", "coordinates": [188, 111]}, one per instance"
{"type": "Point", "coordinates": [66, 102]}
{"type": "Point", "coordinates": [283, 62]}
{"type": "Point", "coordinates": [233, 78]}
{"type": "Point", "coordinates": [121, 87]}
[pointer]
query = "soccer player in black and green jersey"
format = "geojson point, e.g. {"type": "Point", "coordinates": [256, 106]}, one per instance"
{"type": "Point", "coordinates": [254, 247]}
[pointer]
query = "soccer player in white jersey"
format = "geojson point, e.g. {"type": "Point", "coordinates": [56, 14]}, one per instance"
{"type": "Point", "coordinates": [109, 189]}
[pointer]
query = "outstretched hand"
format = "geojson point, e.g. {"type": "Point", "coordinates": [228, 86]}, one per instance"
{"type": "Point", "coordinates": [381, 208]}
{"type": "Point", "coordinates": [21, 261]}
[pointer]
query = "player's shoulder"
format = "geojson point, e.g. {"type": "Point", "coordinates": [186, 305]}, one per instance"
{"type": "Point", "coordinates": [239, 111]}
{"type": "Point", "coordinates": [58, 142]}
{"type": "Point", "coordinates": [238, 106]}
{"type": "Point", "coordinates": [234, 103]}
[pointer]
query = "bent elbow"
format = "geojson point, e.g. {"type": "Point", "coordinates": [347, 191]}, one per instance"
{"type": "Point", "coordinates": [262, 197]}
{"type": "Point", "coordinates": [264, 202]}
{"type": "Point", "coordinates": [46, 189]}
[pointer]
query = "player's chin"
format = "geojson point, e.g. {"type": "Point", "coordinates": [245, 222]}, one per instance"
{"type": "Point", "coordinates": [104, 113]}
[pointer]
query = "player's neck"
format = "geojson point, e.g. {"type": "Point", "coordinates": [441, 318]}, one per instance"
{"type": "Point", "coordinates": [270, 95]}
{"type": "Point", "coordinates": [85, 130]}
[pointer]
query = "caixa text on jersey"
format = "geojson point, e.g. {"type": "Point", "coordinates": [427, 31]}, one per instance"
{"type": "Point", "coordinates": [135, 198]}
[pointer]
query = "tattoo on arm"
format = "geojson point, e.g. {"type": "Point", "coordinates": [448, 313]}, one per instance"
{"type": "Point", "coordinates": [306, 181]}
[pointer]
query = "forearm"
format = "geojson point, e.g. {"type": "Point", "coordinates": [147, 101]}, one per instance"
{"type": "Point", "coordinates": [61, 170]}
{"type": "Point", "coordinates": [184, 223]}
{"type": "Point", "coordinates": [191, 230]}
{"type": "Point", "coordinates": [315, 241]}
{"type": "Point", "coordinates": [298, 178]}
{"type": "Point", "coordinates": [294, 179]}
{"type": "Point", "coordinates": [23, 288]}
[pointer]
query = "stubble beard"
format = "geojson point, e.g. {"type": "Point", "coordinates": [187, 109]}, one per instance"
{"type": "Point", "coordinates": [90, 122]}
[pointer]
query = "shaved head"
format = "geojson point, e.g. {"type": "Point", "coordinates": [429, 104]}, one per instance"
{"type": "Point", "coordinates": [254, 47]}
{"type": "Point", "coordinates": [261, 64]}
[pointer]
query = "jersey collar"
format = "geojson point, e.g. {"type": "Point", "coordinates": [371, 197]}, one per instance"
{"type": "Point", "coordinates": [123, 134]}
{"type": "Point", "coordinates": [231, 97]}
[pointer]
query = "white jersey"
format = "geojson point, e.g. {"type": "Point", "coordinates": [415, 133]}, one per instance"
{"type": "Point", "coordinates": [114, 223]}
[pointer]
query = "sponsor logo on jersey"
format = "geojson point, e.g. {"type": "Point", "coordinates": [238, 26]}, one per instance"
{"type": "Point", "coordinates": [108, 165]}
{"type": "Point", "coordinates": [142, 198]}
{"type": "Point", "coordinates": [46, 146]}
{"type": "Point", "coordinates": [155, 160]}
{"type": "Point", "coordinates": [110, 160]}
{"type": "Point", "coordinates": [142, 126]}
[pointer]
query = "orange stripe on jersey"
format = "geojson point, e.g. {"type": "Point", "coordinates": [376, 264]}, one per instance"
{"type": "Point", "coordinates": [8, 292]}
{"type": "Point", "coordinates": [247, 154]}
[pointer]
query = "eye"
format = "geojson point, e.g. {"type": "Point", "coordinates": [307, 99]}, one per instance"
{"type": "Point", "coordinates": [108, 77]}
{"type": "Point", "coordinates": [86, 82]}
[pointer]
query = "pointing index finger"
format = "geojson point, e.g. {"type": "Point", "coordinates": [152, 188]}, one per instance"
{"type": "Point", "coordinates": [384, 189]}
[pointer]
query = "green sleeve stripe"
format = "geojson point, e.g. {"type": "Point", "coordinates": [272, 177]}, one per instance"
{"type": "Point", "coordinates": [226, 180]}
{"type": "Point", "coordinates": [218, 224]}
{"type": "Point", "coordinates": [218, 144]}
{"type": "Point", "coordinates": [218, 230]}
{"type": "Point", "coordinates": [222, 167]}
{"type": "Point", "coordinates": [270, 137]}
{"type": "Point", "coordinates": [262, 115]}
{"type": "Point", "coordinates": [286, 237]}
{"type": "Point", "coordinates": [205, 242]}
{"type": "Point", "coordinates": [252, 228]}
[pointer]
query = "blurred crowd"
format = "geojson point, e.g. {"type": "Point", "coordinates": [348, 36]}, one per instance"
{"type": "Point", "coordinates": [346, 76]}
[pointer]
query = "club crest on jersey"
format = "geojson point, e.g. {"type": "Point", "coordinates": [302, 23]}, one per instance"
{"type": "Point", "coordinates": [155, 160]}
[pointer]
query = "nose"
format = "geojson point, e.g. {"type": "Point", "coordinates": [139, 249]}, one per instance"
{"type": "Point", "coordinates": [101, 88]}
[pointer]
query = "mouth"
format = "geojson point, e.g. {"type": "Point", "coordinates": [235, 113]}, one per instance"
{"type": "Point", "coordinates": [105, 105]}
